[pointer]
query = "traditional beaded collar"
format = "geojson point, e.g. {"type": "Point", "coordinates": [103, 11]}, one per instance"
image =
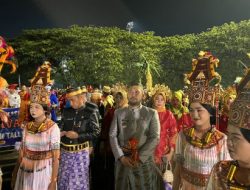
{"type": "Point", "coordinates": [210, 139]}
{"type": "Point", "coordinates": [45, 125]}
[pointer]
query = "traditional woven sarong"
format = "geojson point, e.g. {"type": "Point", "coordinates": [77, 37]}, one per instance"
{"type": "Point", "coordinates": [74, 171]}
{"type": "Point", "coordinates": [143, 177]}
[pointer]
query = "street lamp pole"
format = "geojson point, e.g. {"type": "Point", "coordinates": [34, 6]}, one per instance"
{"type": "Point", "coordinates": [130, 26]}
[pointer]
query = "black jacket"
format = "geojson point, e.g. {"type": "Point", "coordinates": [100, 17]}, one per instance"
{"type": "Point", "coordinates": [84, 121]}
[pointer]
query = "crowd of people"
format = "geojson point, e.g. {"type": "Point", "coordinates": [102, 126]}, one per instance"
{"type": "Point", "coordinates": [129, 137]}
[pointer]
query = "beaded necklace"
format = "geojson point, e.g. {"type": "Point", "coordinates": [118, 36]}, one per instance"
{"type": "Point", "coordinates": [32, 128]}
{"type": "Point", "coordinates": [199, 142]}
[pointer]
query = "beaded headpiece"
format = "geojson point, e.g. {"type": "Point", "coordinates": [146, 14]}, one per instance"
{"type": "Point", "coordinates": [239, 114]}
{"type": "Point", "coordinates": [201, 78]}
{"type": "Point", "coordinates": [39, 94]}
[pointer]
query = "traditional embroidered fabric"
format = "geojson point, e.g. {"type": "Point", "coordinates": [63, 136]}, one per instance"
{"type": "Point", "coordinates": [36, 173]}
{"type": "Point", "coordinates": [219, 180]}
{"type": "Point", "coordinates": [214, 138]}
{"type": "Point", "coordinates": [199, 160]}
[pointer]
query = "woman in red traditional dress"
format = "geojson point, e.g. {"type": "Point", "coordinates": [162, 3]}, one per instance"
{"type": "Point", "coordinates": [228, 97]}
{"type": "Point", "coordinates": [168, 132]}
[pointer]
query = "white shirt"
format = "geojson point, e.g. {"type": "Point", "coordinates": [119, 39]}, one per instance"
{"type": "Point", "coordinates": [14, 100]}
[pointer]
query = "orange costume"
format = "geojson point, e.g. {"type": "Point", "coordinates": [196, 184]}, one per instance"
{"type": "Point", "coordinates": [6, 55]}
{"type": "Point", "coordinates": [24, 106]}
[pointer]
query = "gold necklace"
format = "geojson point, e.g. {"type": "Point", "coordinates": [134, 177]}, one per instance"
{"type": "Point", "coordinates": [199, 142]}
{"type": "Point", "coordinates": [33, 128]}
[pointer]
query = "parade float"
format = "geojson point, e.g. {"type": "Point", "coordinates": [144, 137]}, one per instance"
{"type": "Point", "coordinates": [10, 131]}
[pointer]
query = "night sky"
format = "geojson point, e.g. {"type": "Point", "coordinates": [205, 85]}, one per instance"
{"type": "Point", "coordinates": [164, 17]}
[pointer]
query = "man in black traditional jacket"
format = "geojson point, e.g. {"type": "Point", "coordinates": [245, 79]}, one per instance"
{"type": "Point", "coordinates": [80, 127]}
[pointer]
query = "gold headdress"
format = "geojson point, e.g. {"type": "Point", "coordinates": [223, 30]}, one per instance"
{"type": "Point", "coordinates": [39, 94]}
{"type": "Point", "coordinates": [96, 96]}
{"type": "Point", "coordinates": [163, 90]}
{"type": "Point", "coordinates": [106, 89]}
{"type": "Point", "coordinates": [75, 91]}
{"type": "Point", "coordinates": [228, 93]}
{"type": "Point", "coordinates": [239, 114]}
{"type": "Point", "coordinates": [203, 73]}
{"type": "Point", "coordinates": [121, 88]}
{"type": "Point", "coordinates": [108, 100]}
{"type": "Point", "coordinates": [84, 89]}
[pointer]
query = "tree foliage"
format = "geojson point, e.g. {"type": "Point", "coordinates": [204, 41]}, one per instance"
{"type": "Point", "coordinates": [103, 55]}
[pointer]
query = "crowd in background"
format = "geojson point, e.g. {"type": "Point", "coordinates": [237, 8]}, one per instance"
{"type": "Point", "coordinates": [129, 137]}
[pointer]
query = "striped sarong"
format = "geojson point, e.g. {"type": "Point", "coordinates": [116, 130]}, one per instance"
{"type": "Point", "coordinates": [74, 170]}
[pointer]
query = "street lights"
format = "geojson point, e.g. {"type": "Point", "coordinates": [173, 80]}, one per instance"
{"type": "Point", "coordinates": [130, 26]}
{"type": "Point", "coordinates": [65, 70]}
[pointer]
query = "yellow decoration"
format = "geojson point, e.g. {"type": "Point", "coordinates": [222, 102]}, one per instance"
{"type": "Point", "coordinates": [120, 87]}
{"type": "Point", "coordinates": [199, 142]}
{"type": "Point", "coordinates": [191, 132]}
{"type": "Point", "coordinates": [149, 83]}
{"type": "Point", "coordinates": [208, 137]}
{"type": "Point", "coordinates": [109, 101]}
{"type": "Point", "coordinates": [231, 172]}
{"type": "Point", "coordinates": [42, 75]}
{"type": "Point", "coordinates": [229, 92]}
{"type": "Point", "coordinates": [106, 89]}
{"type": "Point", "coordinates": [178, 94]}
{"type": "Point", "coordinates": [6, 54]}
{"type": "Point", "coordinates": [213, 63]}
{"type": "Point", "coordinates": [74, 93]}
{"type": "Point", "coordinates": [3, 83]}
